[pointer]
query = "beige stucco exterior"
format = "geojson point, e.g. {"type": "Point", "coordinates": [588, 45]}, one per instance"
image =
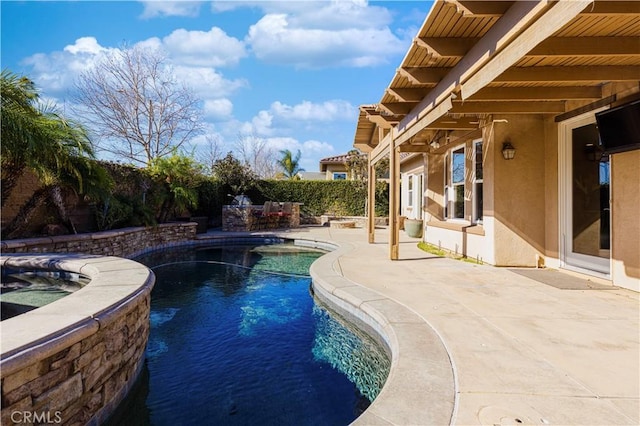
{"type": "Point", "coordinates": [533, 75]}
{"type": "Point", "coordinates": [521, 220]}
{"type": "Point", "coordinates": [625, 219]}
{"type": "Point", "coordinates": [335, 168]}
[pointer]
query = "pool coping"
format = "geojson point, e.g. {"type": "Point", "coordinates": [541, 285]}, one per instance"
{"type": "Point", "coordinates": [421, 386]}
{"type": "Point", "coordinates": [43, 331]}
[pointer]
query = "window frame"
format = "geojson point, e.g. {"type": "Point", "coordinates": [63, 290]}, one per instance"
{"type": "Point", "coordinates": [450, 196]}
{"type": "Point", "coordinates": [333, 175]}
{"type": "Point", "coordinates": [477, 193]}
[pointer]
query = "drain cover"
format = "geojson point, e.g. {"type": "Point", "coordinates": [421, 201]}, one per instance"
{"type": "Point", "coordinates": [500, 416]}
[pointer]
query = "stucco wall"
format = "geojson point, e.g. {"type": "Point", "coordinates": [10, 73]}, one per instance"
{"type": "Point", "coordinates": [625, 219]}
{"type": "Point", "coordinates": [519, 190]}
{"type": "Point", "coordinates": [340, 168]}
{"type": "Point", "coordinates": [434, 201]}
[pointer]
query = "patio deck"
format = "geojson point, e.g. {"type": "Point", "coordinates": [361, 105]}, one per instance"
{"type": "Point", "coordinates": [522, 351]}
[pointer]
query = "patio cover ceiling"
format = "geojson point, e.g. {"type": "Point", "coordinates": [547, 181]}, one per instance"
{"type": "Point", "coordinates": [475, 58]}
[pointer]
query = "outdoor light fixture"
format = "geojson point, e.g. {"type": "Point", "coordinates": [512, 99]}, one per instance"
{"type": "Point", "coordinates": [508, 151]}
{"type": "Point", "coordinates": [592, 152]}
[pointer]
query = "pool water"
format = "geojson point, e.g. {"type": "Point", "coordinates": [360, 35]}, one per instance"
{"type": "Point", "coordinates": [236, 338]}
{"type": "Point", "coordinates": [25, 290]}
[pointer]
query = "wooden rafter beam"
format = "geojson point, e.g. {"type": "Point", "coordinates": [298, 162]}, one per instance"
{"type": "Point", "coordinates": [418, 75]}
{"type": "Point", "coordinates": [450, 47]}
{"type": "Point", "coordinates": [571, 74]}
{"type": "Point", "coordinates": [407, 95]}
{"type": "Point", "coordinates": [587, 46]}
{"type": "Point", "coordinates": [384, 121]}
{"type": "Point", "coordinates": [447, 47]}
{"type": "Point", "coordinates": [449, 123]}
{"type": "Point", "coordinates": [480, 9]}
{"type": "Point", "coordinates": [398, 108]}
{"type": "Point", "coordinates": [556, 16]}
{"type": "Point", "coordinates": [508, 107]}
{"type": "Point", "coordinates": [414, 148]}
{"type": "Point", "coordinates": [537, 93]}
{"type": "Point", "coordinates": [611, 7]}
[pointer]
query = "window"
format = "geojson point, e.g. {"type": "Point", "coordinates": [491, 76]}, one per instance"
{"type": "Point", "coordinates": [339, 176]}
{"type": "Point", "coordinates": [456, 192]}
{"type": "Point", "coordinates": [477, 182]}
{"type": "Point", "coordinates": [410, 191]}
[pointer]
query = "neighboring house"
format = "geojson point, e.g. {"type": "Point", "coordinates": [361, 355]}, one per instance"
{"type": "Point", "coordinates": [312, 176]}
{"type": "Point", "coordinates": [335, 168]}
{"type": "Point", "coordinates": [502, 106]}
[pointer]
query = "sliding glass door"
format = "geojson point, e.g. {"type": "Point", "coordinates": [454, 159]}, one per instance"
{"type": "Point", "coordinates": [585, 209]}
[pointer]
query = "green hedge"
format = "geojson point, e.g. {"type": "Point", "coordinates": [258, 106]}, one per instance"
{"type": "Point", "coordinates": [340, 197]}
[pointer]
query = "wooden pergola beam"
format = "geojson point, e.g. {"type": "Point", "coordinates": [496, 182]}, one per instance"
{"type": "Point", "coordinates": [414, 148]}
{"type": "Point", "coordinates": [587, 46]}
{"type": "Point", "coordinates": [480, 9]}
{"type": "Point", "coordinates": [384, 121]}
{"type": "Point", "coordinates": [407, 94]}
{"type": "Point", "coordinates": [570, 74]}
{"type": "Point", "coordinates": [447, 47]}
{"type": "Point", "coordinates": [450, 47]}
{"type": "Point", "coordinates": [537, 93]}
{"type": "Point", "coordinates": [448, 123]}
{"type": "Point", "coordinates": [428, 76]}
{"type": "Point", "coordinates": [611, 7]}
{"type": "Point", "coordinates": [508, 107]}
{"type": "Point", "coordinates": [398, 108]}
{"type": "Point", "coordinates": [540, 29]}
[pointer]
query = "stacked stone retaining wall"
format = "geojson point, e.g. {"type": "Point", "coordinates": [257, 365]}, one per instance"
{"type": "Point", "coordinates": [125, 242]}
{"type": "Point", "coordinates": [83, 382]}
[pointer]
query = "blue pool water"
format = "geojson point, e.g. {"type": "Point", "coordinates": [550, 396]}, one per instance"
{"type": "Point", "coordinates": [237, 339]}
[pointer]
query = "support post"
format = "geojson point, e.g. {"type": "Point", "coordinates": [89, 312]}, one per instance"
{"type": "Point", "coordinates": [394, 200]}
{"type": "Point", "coordinates": [371, 200]}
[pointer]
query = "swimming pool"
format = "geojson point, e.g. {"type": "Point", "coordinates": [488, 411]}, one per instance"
{"type": "Point", "coordinates": [236, 338]}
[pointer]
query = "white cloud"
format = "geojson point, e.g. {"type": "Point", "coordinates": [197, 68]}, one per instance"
{"type": "Point", "coordinates": [276, 39]}
{"type": "Point", "coordinates": [218, 109]}
{"type": "Point", "coordinates": [319, 34]}
{"type": "Point", "coordinates": [260, 125]}
{"type": "Point", "coordinates": [212, 48]}
{"type": "Point", "coordinates": [56, 72]}
{"type": "Point", "coordinates": [155, 8]}
{"type": "Point", "coordinates": [208, 83]}
{"type": "Point", "coordinates": [85, 45]}
{"type": "Point", "coordinates": [309, 111]}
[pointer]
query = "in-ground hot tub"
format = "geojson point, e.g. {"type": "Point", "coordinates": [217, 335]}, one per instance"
{"type": "Point", "coordinates": [73, 360]}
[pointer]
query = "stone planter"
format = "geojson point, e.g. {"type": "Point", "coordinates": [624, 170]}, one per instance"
{"type": "Point", "coordinates": [413, 228]}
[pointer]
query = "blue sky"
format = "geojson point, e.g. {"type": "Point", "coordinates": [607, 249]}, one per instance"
{"type": "Point", "coordinates": [290, 73]}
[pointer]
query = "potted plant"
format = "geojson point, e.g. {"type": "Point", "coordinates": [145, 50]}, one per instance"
{"type": "Point", "coordinates": [413, 227]}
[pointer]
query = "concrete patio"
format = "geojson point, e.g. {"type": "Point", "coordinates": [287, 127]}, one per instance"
{"type": "Point", "coordinates": [522, 351]}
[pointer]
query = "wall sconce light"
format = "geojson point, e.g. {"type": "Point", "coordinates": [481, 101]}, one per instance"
{"type": "Point", "coordinates": [508, 151]}
{"type": "Point", "coordinates": [592, 152]}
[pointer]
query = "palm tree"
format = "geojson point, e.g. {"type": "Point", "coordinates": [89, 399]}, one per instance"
{"type": "Point", "coordinates": [37, 137]}
{"type": "Point", "coordinates": [290, 165]}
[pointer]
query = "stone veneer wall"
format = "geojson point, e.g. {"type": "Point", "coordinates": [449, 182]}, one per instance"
{"type": "Point", "coordinates": [83, 382]}
{"type": "Point", "coordinates": [125, 242]}
{"type": "Point", "coordinates": [242, 218]}
{"type": "Point", "coordinates": [73, 361]}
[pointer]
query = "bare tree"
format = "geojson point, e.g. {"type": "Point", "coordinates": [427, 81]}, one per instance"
{"type": "Point", "coordinates": [257, 154]}
{"type": "Point", "coordinates": [210, 152]}
{"type": "Point", "coordinates": [133, 102]}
